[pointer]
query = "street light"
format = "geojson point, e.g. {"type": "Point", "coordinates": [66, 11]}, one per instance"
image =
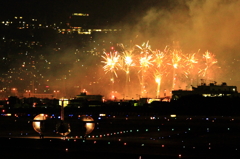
{"type": "Point", "coordinates": [28, 91]}
{"type": "Point", "coordinates": [56, 92]}
{"type": "Point", "coordinates": [14, 90]}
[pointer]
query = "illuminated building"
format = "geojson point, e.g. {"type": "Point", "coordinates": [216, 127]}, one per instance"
{"type": "Point", "coordinates": [80, 23]}
{"type": "Point", "coordinates": [211, 90]}
{"type": "Point", "coordinates": [79, 20]}
{"type": "Point", "coordinates": [86, 100]}
{"type": "Point", "coordinates": [38, 95]}
{"type": "Point", "coordinates": [84, 96]}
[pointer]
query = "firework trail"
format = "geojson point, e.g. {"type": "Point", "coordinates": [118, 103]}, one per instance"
{"type": "Point", "coordinates": [152, 67]}
{"type": "Point", "coordinates": [126, 62]}
{"type": "Point", "coordinates": [190, 63]}
{"type": "Point", "coordinates": [159, 69]}
{"type": "Point", "coordinates": [210, 60]}
{"type": "Point", "coordinates": [111, 64]}
{"type": "Point", "coordinates": [145, 62]}
{"type": "Point", "coordinates": [158, 79]}
{"type": "Point", "coordinates": [176, 59]}
{"type": "Point", "coordinates": [145, 48]}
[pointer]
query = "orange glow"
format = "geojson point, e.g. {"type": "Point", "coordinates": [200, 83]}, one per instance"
{"type": "Point", "coordinates": [111, 62]}
{"type": "Point", "coordinates": [172, 67]}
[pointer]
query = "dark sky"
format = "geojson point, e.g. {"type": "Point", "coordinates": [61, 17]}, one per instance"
{"type": "Point", "coordinates": [113, 10]}
{"type": "Point", "coordinates": [57, 9]}
{"type": "Point", "coordinates": [206, 24]}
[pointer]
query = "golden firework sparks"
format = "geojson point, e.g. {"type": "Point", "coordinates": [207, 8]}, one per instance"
{"type": "Point", "coordinates": [158, 58]}
{"type": "Point", "coordinates": [209, 61]}
{"type": "Point", "coordinates": [146, 62]}
{"type": "Point", "coordinates": [111, 62]}
{"type": "Point", "coordinates": [190, 61]}
{"type": "Point", "coordinates": [152, 66]}
{"type": "Point", "coordinates": [145, 48]}
{"type": "Point", "coordinates": [176, 58]}
{"type": "Point", "coordinates": [126, 62]}
{"type": "Point", "coordinates": [158, 79]}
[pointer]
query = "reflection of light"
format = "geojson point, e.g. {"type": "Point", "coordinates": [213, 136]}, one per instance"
{"type": "Point", "coordinates": [173, 115]}
{"type": "Point", "coordinates": [8, 114]}
{"type": "Point", "coordinates": [37, 122]}
{"type": "Point", "coordinates": [102, 114]}
{"type": "Point", "coordinates": [63, 128]}
{"type": "Point", "coordinates": [153, 117]}
{"type": "Point", "coordinates": [150, 100]}
{"type": "Point", "coordinates": [89, 125]}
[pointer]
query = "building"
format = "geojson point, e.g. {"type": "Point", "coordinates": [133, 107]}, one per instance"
{"type": "Point", "coordinates": [84, 100]}
{"type": "Point", "coordinates": [82, 23]}
{"type": "Point", "coordinates": [38, 95]}
{"type": "Point", "coordinates": [79, 20]}
{"type": "Point", "coordinates": [204, 90]}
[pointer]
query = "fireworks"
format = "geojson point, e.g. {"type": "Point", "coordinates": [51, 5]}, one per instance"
{"type": "Point", "coordinates": [191, 60]}
{"type": "Point", "coordinates": [145, 62]}
{"type": "Point", "coordinates": [158, 78]}
{"type": "Point", "coordinates": [145, 48]}
{"type": "Point", "coordinates": [153, 68]}
{"type": "Point", "coordinates": [126, 63]}
{"type": "Point", "coordinates": [126, 60]}
{"type": "Point", "coordinates": [190, 67]}
{"type": "Point", "coordinates": [111, 62]}
{"type": "Point", "coordinates": [176, 57]}
{"type": "Point", "coordinates": [209, 61]}
{"type": "Point", "coordinates": [158, 58]}
{"type": "Point", "coordinates": [159, 69]}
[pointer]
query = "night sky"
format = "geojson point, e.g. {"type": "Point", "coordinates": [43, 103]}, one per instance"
{"type": "Point", "coordinates": [196, 25]}
{"type": "Point", "coordinates": [60, 9]}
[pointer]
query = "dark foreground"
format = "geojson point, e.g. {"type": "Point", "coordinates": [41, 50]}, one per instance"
{"type": "Point", "coordinates": [128, 137]}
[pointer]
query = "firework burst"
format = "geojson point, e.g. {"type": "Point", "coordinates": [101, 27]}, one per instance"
{"type": "Point", "coordinates": [111, 62]}
{"type": "Point", "coordinates": [126, 62]}
{"type": "Point", "coordinates": [152, 68]}
{"type": "Point", "coordinates": [158, 79]}
{"type": "Point", "coordinates": [210, 60]}
{"type": "Point", "coordinates": [176, 59]}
